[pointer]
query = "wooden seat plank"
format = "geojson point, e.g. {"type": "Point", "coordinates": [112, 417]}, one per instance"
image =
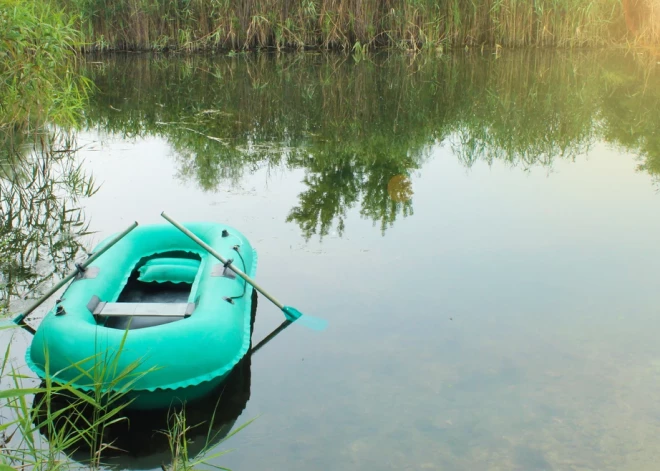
{"type": "Point", "coordinates": [144, 309]}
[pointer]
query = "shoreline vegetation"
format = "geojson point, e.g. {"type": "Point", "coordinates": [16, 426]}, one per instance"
{"type": "Point", "coordinates": [361, 25]}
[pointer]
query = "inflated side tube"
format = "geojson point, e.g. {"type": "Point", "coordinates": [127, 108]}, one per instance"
{"type": "Point", "coordinates": [195, 350]}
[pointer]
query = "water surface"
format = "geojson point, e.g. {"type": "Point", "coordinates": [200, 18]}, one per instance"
{"type": "Point", "coordinates": [479, 231]}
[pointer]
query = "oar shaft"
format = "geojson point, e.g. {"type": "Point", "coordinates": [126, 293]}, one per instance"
{"type": "Point", "coordinates": [210, 250]}
{"type": "Point", "coordinates": [69, 277]}
{"type": "Point", "coordinates": [271, 336]}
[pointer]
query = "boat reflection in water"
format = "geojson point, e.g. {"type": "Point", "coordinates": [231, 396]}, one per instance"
{"type": "Point", "coordinates": [139, 439]}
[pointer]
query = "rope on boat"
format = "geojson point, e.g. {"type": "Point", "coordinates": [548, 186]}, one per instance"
{"type": "Point", "coordinates": [236, 247]}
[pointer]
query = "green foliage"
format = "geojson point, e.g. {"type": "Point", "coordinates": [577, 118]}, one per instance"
{"type": "Point", "coordinates": [332, 24]}
{"type": "Point", "coordinates": [37, 83]}
{"type": "Point", "coordinates": [66, 427]}
{"type": "Point", "coordinates": [41, 97]}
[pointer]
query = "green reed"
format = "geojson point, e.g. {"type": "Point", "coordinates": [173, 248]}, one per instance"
{"type": "Point", "coordinates": [357, 25]}
{"type": "Point", "coordinates": [65, 426]}
{"type": "Point", "coordinates": [178, 433]}
{"type": "Point", "coordinates": [52, 426]}
{"type": "Point", "coordinates": [37, 82]}
{"type": "Point", "coordinates": [42, 96]}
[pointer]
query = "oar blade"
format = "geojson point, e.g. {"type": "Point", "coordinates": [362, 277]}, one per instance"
{"type": "Point", "coordinates": [294, 315]}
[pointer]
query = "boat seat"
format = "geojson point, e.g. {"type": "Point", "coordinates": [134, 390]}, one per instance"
{"type": "Point", "coordinates": [102, 309]}
{"type": "Point", "coordinates": [144, 309]}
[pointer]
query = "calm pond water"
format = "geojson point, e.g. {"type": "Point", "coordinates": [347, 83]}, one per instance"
{"type": "Point", "coordinates": [480, 231]}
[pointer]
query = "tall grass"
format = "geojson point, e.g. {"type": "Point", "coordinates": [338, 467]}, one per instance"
{"type": "Point", "coordinates": [643, 20]}
{"type": "Point", "coordinates": [356, 24]}
{"type": "Point", "coordinates": [38, 84]}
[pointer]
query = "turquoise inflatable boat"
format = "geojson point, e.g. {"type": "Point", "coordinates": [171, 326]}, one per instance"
{"type": "Point", "coordinates": [155, 315]}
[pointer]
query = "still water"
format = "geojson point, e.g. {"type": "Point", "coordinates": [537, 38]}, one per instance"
{"type": "Point", "coordinates": [480, 231]}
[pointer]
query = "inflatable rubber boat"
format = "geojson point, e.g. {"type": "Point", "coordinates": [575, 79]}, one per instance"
{"type": "Point", "coordinates": [156, 316]}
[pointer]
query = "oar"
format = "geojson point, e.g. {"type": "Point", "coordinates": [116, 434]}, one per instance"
{"type": "Point", "coordinates": [20, 319]}
{"type": "Point", "coordinates": [291, 313]}
{"type": "Point", "coordinates": [271, 336]}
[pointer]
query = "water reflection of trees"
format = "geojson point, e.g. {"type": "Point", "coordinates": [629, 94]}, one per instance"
{"type": "Point", "coordinates": [629, 105]}
{"type": "Point", "coordinates": [354, 126]}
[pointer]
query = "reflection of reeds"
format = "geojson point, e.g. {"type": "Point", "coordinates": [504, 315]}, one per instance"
{"type": "Point", "coordinates": [409, 24]}
{"type": "Point", "coordinates": [40, 186]}
{"type": "Point", "coordinates": [354, 123]}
